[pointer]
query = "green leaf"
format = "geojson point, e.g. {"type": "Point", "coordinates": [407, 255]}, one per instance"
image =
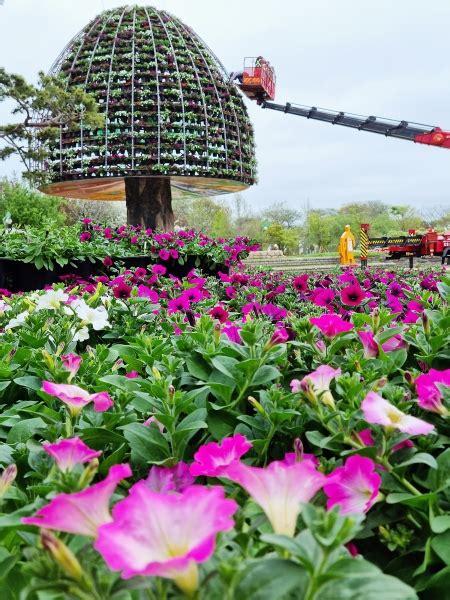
{"type": "Point", "coordinates": [441, 545]}
{"type": "Point", "coordinates": [147, 444]}
{"type": "Point", "coordinates": [440, 523]}
{"type": "Point", "coordinates": [420, 458]}
{"type": "Point", "coordinates": [265, 374]}
{"type": "Point", "coordinates": [272, 579]}
{"type": "Point", "coordinates": [30, 382]}
{"type": "Point", "coordinates": [24, 430]}
{"type": "Point", "coordinates": [356, 578]}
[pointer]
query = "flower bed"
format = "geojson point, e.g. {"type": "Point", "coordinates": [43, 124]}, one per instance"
{"type": "Point", "coordinates": [33, 258]}
{"type": "Point", "coordinates": [253, 435]}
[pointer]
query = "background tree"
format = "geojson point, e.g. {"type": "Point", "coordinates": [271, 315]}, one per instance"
{"type": "Point", "coordinates": [281, 214]}
{"type": "Point", "coordinates": [39, 111]}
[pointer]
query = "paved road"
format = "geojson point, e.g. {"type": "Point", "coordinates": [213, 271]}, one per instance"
{"type": "Point", "coordinates": [327, 263]}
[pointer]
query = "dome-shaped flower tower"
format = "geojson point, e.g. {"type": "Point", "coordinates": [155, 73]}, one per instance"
{"type": "Point", "coordinates": [172, 118]}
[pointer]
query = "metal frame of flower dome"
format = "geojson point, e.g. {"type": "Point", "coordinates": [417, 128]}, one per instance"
{"type": "Point", "coordinates": [108, 89]}
{"type": "Point", "coordinates": [169, 37]}
{"type": "Point", "coordinates": [185, 29]}
{"type": "Point", "coordinates": [219, 154]}
{"type": "Point", "coordinates": [200, 87]}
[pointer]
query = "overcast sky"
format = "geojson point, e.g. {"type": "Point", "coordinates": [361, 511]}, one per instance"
{"type": "Point", "coordinates": [382, 58]}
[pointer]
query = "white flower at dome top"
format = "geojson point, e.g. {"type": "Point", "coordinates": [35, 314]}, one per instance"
{"type": "Point", "coordinates": [51, 300]}
{"type": "Point", "coordinates": [17, 321]}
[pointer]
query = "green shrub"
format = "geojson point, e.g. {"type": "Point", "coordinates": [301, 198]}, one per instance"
{"type": "Point", "coordinates": [30, 207]}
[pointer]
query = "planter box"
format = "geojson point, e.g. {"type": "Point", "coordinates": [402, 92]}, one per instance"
{"type": "Point", "coordinates": [18, 276]}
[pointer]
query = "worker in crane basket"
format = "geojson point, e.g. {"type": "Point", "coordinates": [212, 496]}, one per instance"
{"type": "Point", "coordinates": [347, 247]}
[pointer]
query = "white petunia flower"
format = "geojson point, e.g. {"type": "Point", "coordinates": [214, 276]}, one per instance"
{"type": "Point", "coordinates": [18, 321]}
{"type": "Point", "coordinates": [81, 335]}
{"type": "Point", "coordinates": [51, 300]}
{"type": "Point", "coordinates": [97, 317]}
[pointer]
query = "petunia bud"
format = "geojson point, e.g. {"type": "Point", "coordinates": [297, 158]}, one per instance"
{"type": "Point", "coordinates": [7, 479]}
{"type": "Point", "coordinates": [375, 319]}
{"type": "Point", "coordinates": [426, 324]}
{"type": "Point", "coordinates": [88, 474]}
{"type": "Point", "coordinates": [409, 378]}
{"type": "Point", "coordinates": [48, 359]}
{"type": "Point", "coordinates": [217, 330]}
{"type": "Point", "coordinates": [254, 402]}
{"type": "Point", "coordinates": [298, 449]}
{"type": "Point", "coordinates": [171, 393]}
{"type": "Point", "coordinates": [156, 374]}
{"type": "Point", "coordinates": [61, 554]}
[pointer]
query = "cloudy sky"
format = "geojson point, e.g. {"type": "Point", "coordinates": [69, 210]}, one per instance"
{"type": "Point", "coordinates": [386, 58]}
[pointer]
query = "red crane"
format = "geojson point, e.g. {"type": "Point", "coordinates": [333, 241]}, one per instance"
{"type": "Point", "coordinates": [257, 81]}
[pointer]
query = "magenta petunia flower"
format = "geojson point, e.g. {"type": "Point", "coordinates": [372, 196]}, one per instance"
{"type": "Point", "coordinates": [146, 292]}
{"type": "Point", "coordinates": [159, 270]}
{"type": "Point", "coordinates": [300, 283]}
{"type": "Point", "coordinates": [169, 479]}
{"type": "Point", "coordinates": [165, 535]}
{"type": "Point", "coordinates": [213, 459]}
{"type": "Point", "coordinates": [179, 304]}
{"type": "Point", "coordinates": [232, 332]}
{"type": "Point", "coordinates": [164, 255]}
{"type": "Point", "coordinates": [82, 512]}
{"type": "Point", "coordinates": [366, 437]}
{"type": "Point", "coordinates": [107, 262]}
{"type": "Point", "coordinates": [381, 412]}
{"type": "Point", "coordinates": [70, 452]}
{"type": "Point", "coordinates": [85, 236]}
{"type": "Point", "coordinates": [352, 295]}
{"type": "Point", "coordinates": [279, 489]}
{"type": "Point", "coordinates": [219, 313]}
{"type": "Point", "coordinates": [71, 362]}
{"type": "Point", "coordinates": [122, 290]}
{"type": "Point", "coordinates": [430, 396]}
{"type": "Point", "coordinates": [322, 296]}
{"type": "Point", "coordinates": [132, 375]}
{"type": "Point", "coordinates": [354, 487]}
{"type": "Point", "coordinates": [75, 398]}
{"type": "Point", "coordinates": [370, 346]}
{"type": "Point", "coordinates": [331, 325]}
{"type": "Point", "coordinates": [279, 336]}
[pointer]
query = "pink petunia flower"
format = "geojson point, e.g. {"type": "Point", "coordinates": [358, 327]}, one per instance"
{"type": "Point", "coordinates": [354, 487]}
{"type": "Point", "coordinates": [82, 512]}
{"type": "Point", "coordinates": [430, 396]}
{"type": "Point", "coordinates": [320, 380]}
{"type": "Point", "coordinates": [169, 479]}
{"type": "Point", "coordinates": [381, 412]}
{"type": "Point", "coordinates": [331, 325]}
{"type": "Point", "coordinates": [75, 398]}
{"type": "Point", "coordinates": [71, 362]}
{"type": "Point", "coordinates": [279, 489]}
{"type": "Point", "coordinates": [213, 459]}
{"type": "Point", "coordinates": [165, 535]}
{"type": "Point", "coordinates": [70, 452]}
{"type": "Point", "coordinates": [370, 346]}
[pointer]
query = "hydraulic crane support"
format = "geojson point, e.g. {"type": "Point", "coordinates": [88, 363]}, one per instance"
{"type": "Point", "coordinates": [414, 132]}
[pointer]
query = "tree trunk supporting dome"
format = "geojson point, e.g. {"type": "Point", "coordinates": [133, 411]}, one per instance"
{"type": "Point", "coordinates": [149, 202]}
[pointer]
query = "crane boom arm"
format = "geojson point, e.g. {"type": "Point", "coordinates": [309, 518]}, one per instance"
{"type": "Point", "coordinates": [414, 132]}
